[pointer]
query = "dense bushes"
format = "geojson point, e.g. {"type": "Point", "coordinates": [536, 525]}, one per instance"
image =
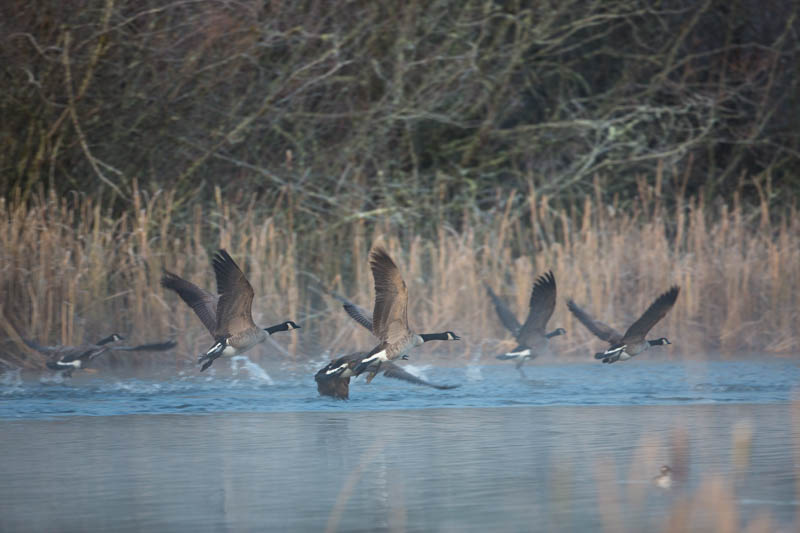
{"type": "Point", "coordinates": [351, 106]}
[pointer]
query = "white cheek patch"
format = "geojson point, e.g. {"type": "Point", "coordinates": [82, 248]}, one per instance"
{"type": "Point", "coordinates": [74, 364]}
{"type": "Point", "coordinates": [521, 353]}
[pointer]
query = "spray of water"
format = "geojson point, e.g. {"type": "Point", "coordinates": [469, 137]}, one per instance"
{"type": "Point", "coordinates": [417, 370]}
{"type": "Point", "coordinates": [473, 368]}
{"type": "Point", "coordinates": [11, 381]}
{"type": "Point", "coordinates": [52, 378]}
{"type": "Point", "coordinates": [256, 373]}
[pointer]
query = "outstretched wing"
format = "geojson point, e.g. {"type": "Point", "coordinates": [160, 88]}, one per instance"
{"type": "Point", "coordinates": [503, 312]}
{"type": "Point", "coordinates": [654, 313]}
{"type": "Point", "coordinates": [336, 387]}
{"type": "Point", "coordinates": [600, 329]}
{"type": "Point", "coordinates": [359, 314]}
{"type": "Point", "coordinates": [47, 350]}
{"type": "Point", "coordinates": [203, 303]}
{"type": "Point", "coordinates": [235, 296]}
{"type": "Point", "coordinates": [65, 354]}
{"type": "Point", "coordinates": [542, 304]}
{"type": "Point", "coordinates": [332, 384]}
{"type": "Point", "coordinates": [391, 370]}
{"type": "Point", "coordinates": [152, 347]}
{"type": "Point", "coordinates": [390, 315]}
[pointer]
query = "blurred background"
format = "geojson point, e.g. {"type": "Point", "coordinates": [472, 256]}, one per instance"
{"type": "Point", "coordinates": [626, 145]}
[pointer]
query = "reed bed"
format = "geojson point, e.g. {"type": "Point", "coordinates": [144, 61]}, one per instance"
{"type": "Point", "coordinates": [71, 272]}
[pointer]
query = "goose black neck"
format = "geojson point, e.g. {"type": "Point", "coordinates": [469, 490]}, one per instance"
{"type": "Point", "coordinates": [554, 333]}
{"type": "Point", "coordinates": [278, 327]}
{"type": "Point", "coordinates": [434, 337]}
{"type": "Point", "coordinates": [110, 338]}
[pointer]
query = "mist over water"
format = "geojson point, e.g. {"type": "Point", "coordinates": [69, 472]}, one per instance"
{"type": "Point", "coordinates": [251, 448]}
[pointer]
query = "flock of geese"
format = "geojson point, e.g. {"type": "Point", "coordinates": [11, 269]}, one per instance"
{"type": "Point", "coordinates": [227, 315]}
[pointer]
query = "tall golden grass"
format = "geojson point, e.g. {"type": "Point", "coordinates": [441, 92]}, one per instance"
{"type": "Point", "coordinates": [70, 272]}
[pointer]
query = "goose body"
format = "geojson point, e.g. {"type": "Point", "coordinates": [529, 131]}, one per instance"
{"type": "Point", "coordinates": [389, 320]}
{"type": "Point", "coordinates": [69, 358]}
{"type": "Point", "coordinates": [624, 346]}
{"type": "Point", "coordinates": [334, 378]}
{"type": "Point", "coordinates": [532, 338]}
{"type": "Point", "coordinates": [227, 315]}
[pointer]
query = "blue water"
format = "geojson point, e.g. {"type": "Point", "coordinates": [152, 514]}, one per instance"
{"type": "Point", "coordinates": [574, 447]}
{"type": "Point", "coordinates": [243, 386]}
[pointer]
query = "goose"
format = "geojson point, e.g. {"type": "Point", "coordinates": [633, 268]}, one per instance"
{"type": "Point", "coordinates": [531, 336]}
{"type": "Point", "coordinates": [389, 320]}
{"type": "Point", "coordinates": [664, 480]}
{"type": "Point", "coordinates": [632, 342]}
{"type": "Point", "coordinates": [337, 383]}
{"type": "Point", "coordinates": [69, 358]}
{"type": "Point", "coordinates": [228, 315]}
{"type": "Point", "coordinates": [363, 317]}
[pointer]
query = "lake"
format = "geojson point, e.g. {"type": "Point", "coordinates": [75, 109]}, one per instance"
{"type": "Point", "coordinates": [574, 447]}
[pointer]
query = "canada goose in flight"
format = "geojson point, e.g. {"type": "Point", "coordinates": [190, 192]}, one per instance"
{"type": "Point", "coordinates": [69, 358]}
{"type": "Point", "coordinates": [389, 321]}
{"type": "Point", "coordinates": [337, 383]}
{"type": "Point", "coordinates": [362, 316]}
{"type": "Point", "coordinates": [633, 342]}
{"type": "Point", "coordinates": [531, 336]}
{"type": "Point", "coordinates": [226, 316]}
{"type": "Point", "coordinates": [664, 480]}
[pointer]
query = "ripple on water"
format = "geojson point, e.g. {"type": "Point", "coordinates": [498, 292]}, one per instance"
{"type": "Point", "coordinates": [244, 386]}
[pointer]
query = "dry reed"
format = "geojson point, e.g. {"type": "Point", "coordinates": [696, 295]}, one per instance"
{"type": "Point", "coordinates": [70, 272]}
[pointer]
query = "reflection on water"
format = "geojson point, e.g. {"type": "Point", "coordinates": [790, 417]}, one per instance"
{"type": "Point", "coordinates": [575, 447]}
{"type": "Point", "coordinates": [498, 469]}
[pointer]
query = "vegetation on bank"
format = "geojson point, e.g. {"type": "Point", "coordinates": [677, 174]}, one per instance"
{"type": "Point", "coordinates": [625, 144]}
{"type": "Point", "coordinates": [73, 271]}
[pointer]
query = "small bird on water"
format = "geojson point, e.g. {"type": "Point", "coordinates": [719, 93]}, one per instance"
{"type": "Point", "coordinates": [664, 480]}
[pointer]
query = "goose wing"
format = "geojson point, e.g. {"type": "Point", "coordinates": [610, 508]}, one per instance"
{"type": "Point", "coordinates": [47, 350]}
{"type": "Point", "coordinates": [654, 313]}
{"type": "Point", "coordinates": [542, 304]}
{"type": "Point", "coordinates": [503, 312]}
{"type": "Point", "coordinates": [391, 370]}
{"type": "Point", "coordinates": [235, 296]}
{"type": "Point", "coordinates": [65, 354]}
{"type": "Point", "coordinates": [349, 359]}
{"type": "Point", "coordinates": [600, 329]}
{"type": "Point", "coordinates": [390, 315]}
{"type": "Point", "coordinates": [151, 347]}
{"type": "Point", "coordinates": [357, 313]}
{"type": "Point", "coordinates": [203, 303]}
{"type": "Point", "coordinates": [333, 384]}
{"type": "Point", "coordinates": [337, 387]}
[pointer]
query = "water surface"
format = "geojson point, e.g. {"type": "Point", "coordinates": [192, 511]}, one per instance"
{"type": "Point", "coordinates": [574, 447]}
